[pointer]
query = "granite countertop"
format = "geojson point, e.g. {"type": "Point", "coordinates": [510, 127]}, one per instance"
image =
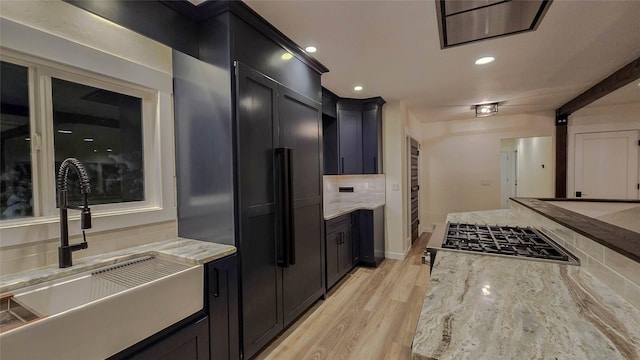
{"type": "Point", "coordinates": [183, 250]}
{"type": "Point", "coordinates": [487, 307]}
{"type": "Point", "coordinates": [334, 210]}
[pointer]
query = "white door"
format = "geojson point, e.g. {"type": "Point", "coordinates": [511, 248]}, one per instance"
{"type": "Point", "coordinates": [507, 177]}
{"type": "Point", "coordinates": [606, 165]}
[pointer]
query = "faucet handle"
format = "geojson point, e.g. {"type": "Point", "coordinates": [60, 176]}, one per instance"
{"type": "Point", "coordinates": [85, 218]}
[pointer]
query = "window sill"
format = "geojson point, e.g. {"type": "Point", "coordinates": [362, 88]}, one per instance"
{"type": "Point", "coordinates": [32, 230]}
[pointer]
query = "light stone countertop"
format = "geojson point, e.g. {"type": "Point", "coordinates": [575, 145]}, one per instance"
{"type": "Point", "coordinates": [192, 252]}
{"type": "Point", "coordinates": [487, 307]}
{"type": "Point", "coordinates": [334, 210]}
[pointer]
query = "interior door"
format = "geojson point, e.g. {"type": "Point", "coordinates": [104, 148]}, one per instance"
{"type": "Point", "coordinates": [300, 130]}
{"type": "Point", "coordinates": [261, 277]}
{"type": "Point", "coordinates": [606, 165]}
{"type": "Point", "coordinates": [415, 189]}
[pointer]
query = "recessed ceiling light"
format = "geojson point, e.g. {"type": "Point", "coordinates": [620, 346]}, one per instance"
{"type": "Point", "coordinates": [485, 60]}
{"type": "Point", "coordinates": [65, 131]}
{"type": "Point", "coordinates": [88, 139]}
{"type": "Point", "coordinates": [109, 150]}
{"type": "Point", "coordinates": [357, 88]}
{"type": "Point", "coordinates": [27, 139]}
{"type": "Point", "coordinates": [311, 49]}
{"type": "Point", "coordinates": [286, 56]}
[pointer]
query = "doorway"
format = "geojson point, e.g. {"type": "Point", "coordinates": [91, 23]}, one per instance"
{"type": "Point", "coordinates": [414, 188]}
{"type": "Point", "coordinates": [606, 165]}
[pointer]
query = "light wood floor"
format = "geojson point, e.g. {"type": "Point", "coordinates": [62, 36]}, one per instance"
{"type": "Point", "coordinates": [371, 314]}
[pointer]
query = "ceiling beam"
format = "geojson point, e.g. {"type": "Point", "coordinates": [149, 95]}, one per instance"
{"type": "Point", "coordinates": [615, 81]}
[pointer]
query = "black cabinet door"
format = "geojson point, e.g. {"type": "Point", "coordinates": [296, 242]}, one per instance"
{"type": "Point", "coordinates": [222, 291]}
{"type": "Point", "coordinates": [371, 134]}
{"type": "Point", "coordinates": [333, 243]}
{"type": "Point", "coordinates": [344, 252]}
{"type": "Point", "coordinates": [300, 129]}
{"type": "Point", "coordinates": [350, 134]}
{"type": "Point", "coordinates": [189, 343]}
{"type": "Point", "coordinates": [261, 285]}
{"type": "Point", "coordinates": [355, 238]}
{"type": "Point", "coordinates": [365, 221]}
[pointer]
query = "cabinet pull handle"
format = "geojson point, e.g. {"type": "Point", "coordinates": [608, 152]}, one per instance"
{"type": "Point", "coordinates": [342, 165]}
{"type": "Point", "coordinates": [287, 239]}
{"type": "Point", "coordinates": [216, 282]}
{"type": "Point", "coordinates": [375, 165]}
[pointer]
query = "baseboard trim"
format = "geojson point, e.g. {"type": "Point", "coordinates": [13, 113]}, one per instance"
{"type": "Point", "coordinates": [396, 256]}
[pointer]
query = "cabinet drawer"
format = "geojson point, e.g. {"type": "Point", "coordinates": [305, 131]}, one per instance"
{"type": "Point", "coordinates": [337, 223]}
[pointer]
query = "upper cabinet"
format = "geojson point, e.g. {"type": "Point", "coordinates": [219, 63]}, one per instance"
{"type": "Point", "coordinates": [353, 138]}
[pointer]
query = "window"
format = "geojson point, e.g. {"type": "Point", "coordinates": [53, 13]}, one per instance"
{"type": "Point", "coordinates": [119, 96]}
{"type": "Point", "coordinates": [103, 130]}
{"type": "Point", "coordinates": [98, 122]}
{"type": "Point", "coordinates": [16, 191]}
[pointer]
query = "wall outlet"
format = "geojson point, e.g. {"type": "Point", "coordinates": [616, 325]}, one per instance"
{"type": "Point", "coordinates": [485, 183]}
{"type": "Point", "coordinates": [395, 187]}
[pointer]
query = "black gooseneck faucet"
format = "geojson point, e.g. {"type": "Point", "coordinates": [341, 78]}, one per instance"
{"type": "Point", "coordinates": [65, 250]}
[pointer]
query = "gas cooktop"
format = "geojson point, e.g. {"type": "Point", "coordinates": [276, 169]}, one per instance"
{"type": "Point", "coordinates": [505, 241]}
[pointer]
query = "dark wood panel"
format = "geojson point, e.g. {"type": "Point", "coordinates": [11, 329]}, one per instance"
{"type": "Point", "coordinates": [623, 241]}
{"type": "Point", "coordinates": [561, 157]}
{"type": "Point", "coordinates": [618, 79]}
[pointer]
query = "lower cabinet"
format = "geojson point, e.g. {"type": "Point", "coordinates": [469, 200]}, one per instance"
{"type": "Point", "coordinates": [188, 343]}
{"type": "Point", "coordinates": [371, 236]}
{"type": "Point", "coordinates": [222, 289]}
{"type": "Point", "coordinates": [338, 247]}
{"type": "Point", "coordinates": [356, 238]}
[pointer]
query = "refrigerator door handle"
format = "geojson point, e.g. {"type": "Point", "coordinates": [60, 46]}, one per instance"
{"type": "Point", "coordinates": [285, 175]}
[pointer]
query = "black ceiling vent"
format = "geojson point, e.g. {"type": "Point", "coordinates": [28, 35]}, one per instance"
{"type": "Point", "coordinates": [465, 21]}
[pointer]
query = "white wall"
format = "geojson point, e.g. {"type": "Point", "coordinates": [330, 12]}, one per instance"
{"type": "Point", "coordinates": [598, 119]}
{"type": "Point", "coordinates": [460, 161]}
{"type": "Point", "coordinates": [398, 123]}
{"type": "Point", "coordinates": [535, 167]}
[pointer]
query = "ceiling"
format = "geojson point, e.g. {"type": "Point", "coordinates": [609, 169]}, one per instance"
{"type": "Point", "coordinates": [392, 48]}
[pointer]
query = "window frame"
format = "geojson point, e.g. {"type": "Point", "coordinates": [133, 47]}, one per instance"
{"type": "Point", "coordinates": [157, 144]}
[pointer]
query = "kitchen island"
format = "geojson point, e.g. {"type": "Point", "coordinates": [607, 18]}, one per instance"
{"type": "Point", "coordinates": [488, 307]}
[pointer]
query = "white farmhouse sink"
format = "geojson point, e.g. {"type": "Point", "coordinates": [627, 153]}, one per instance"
{"type": "Point", "coordinates": [99, 313]}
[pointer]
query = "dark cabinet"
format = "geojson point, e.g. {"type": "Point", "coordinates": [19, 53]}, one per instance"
{"type": "Point", "coordinates": [188, 343]}
{"type": "Point", "coordinates": [329, 103]}
{"type": "Point", "coordinates": [353, 140]}
{"type": "Point", "coordinates": [371, 236]}
{"type": "Point", "coordinates": [339, 235]}
{"type": "Point", "coordinates": [279, 205]}
{"type": "Point", "coordinates": [372, 137]}
{"type": "Point", "coordinates": [222, 293]}
{"type": "Point", "coordinates": [350, 144]}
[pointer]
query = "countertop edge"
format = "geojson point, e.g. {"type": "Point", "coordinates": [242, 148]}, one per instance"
{"type": "Point", "coordinates": [189, 251]}
{"type": "Point", "coordinates": [347, 209]}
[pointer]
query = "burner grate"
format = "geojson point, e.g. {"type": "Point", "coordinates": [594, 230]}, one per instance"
{"type": "Point", "coordinates": [505, 240]}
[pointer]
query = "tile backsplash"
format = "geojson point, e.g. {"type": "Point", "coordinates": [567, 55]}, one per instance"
{"type": "Point", "coordinates": [366, 188]}
{"type": "Point", "coordinates": [618, 272]}
{"type": "Point", "coordinates": [30, 256]}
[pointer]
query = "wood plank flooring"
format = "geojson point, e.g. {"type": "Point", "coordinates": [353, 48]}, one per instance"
{"type": "Point", "coordinates": [371, 314]}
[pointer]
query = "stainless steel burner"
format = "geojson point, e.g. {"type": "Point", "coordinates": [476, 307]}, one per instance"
{"type": "Point", "coordinates": [505, 241]}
